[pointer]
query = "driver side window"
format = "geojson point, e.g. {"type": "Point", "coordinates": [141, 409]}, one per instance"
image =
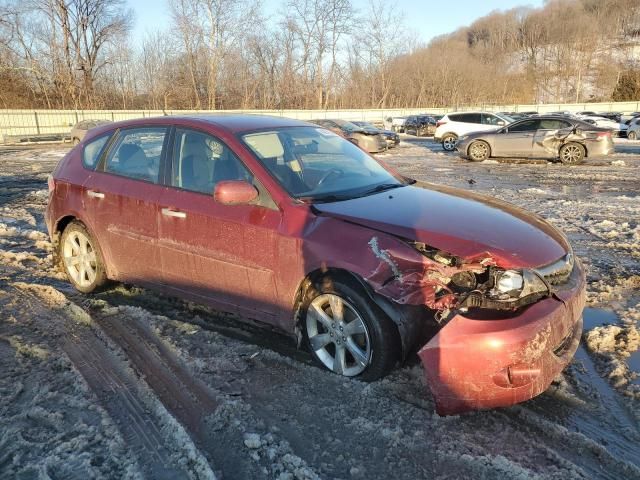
{"type": "Point", "coordinates": [200, 161]}
{"type": "Point", "coordinates": [526, 126]}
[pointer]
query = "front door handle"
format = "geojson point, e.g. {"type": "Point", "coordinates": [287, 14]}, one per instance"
{"type": "Point", "coordinates": [94, 194]}
{"type": "Point", "coordinates": [168, 212]}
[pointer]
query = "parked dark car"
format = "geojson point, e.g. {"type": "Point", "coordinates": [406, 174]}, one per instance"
{"type": "Point", "coordinates": [391, 137]}
{"type": "Point", "coordinates": [368, 140]}
{"type": "Point", "coordinates": [290, 224]}
{"type": "Point", "coordinates": [420, 125]}
{"type": "Point", "coordinates": [567, 139]}
{"type": "Point", "coordinates": [615, 116]}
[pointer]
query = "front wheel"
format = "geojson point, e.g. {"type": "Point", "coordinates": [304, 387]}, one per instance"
{"type": "Point", "coordinates": [479, 151]}
{"type": "Point", "coordinates": [449, 142]}
{"type": "Point", "coordinates": [572, 153]}
{"type": "Point", "coordinates": [81, 258]}
{"type": "Point", "coordinates": [347, 334]}
{"type": "Point", "coordinates": [632, 136]}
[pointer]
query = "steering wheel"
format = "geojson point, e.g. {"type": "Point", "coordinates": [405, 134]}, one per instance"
{"type": "Point", "coordinates": [333, 171]}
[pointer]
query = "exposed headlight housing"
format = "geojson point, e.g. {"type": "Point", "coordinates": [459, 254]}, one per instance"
{"type": "Point", "coordinates": [516, 284]}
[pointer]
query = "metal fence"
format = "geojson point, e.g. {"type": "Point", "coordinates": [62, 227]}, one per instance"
{"type": "Point", "coordinates": [21, 125]}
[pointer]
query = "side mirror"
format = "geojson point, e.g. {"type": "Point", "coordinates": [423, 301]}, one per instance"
{"type": "Point", "coordinates": [234, 192]}
{"type": "Point", "coordinates": [502, 123]}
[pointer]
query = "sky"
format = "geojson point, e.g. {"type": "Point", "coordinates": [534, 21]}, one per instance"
{"type": "Point", "coordinates": [427, 18]}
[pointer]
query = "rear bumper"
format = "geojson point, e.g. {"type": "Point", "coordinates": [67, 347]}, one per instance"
{"type": "Point", "coordinates": [477, 364]}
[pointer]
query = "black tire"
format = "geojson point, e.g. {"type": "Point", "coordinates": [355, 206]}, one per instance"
{"type": "Point", "coordinates": [479, 151]}
{"type": "Point", "coordinates": [449, 141]}
{"type": "Point", "coordinates": [572, 153]}
{"type": "Point", "coordinates": [381, 332]}
{"type": "Point", "coordinates": [632, 136]}
{"type": "Point", "coordinates": [74, 234]}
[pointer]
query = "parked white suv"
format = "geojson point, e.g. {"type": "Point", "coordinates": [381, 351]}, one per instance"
{"type": "Point", "coordinates": [453, 125]}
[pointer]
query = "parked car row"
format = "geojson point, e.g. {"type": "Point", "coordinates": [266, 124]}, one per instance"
{"type": "Point", "coordinates": [369, 139]}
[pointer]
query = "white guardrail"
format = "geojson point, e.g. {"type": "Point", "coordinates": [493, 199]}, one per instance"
{"type": "Point", "coordinates": [20, 125]}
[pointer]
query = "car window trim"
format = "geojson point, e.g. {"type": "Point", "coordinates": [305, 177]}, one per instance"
{"type": "Point", "coordinates": [166, 181]}
{"type": "Point", "coordinates": [103, 150]}
{"type": "Point", "coordinates": [114, 141]}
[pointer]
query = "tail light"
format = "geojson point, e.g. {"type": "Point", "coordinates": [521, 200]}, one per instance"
{"type": "Point", "coordinates": [603, 135]}
{"type": "Point", "coordinates": [51, 183]}
{"type": "Point", "coordinates": [440, 122]}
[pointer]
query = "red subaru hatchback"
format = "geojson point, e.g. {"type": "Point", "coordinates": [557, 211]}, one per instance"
{"type": "Point", "coordinates": [285, 222]}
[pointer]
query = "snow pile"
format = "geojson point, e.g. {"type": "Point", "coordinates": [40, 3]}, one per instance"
{"type": "Point", "coordinates": [615, 344]}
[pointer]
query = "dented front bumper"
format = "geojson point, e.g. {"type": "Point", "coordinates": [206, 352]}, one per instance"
{"type": "Point", "coordinates": [476, 364]}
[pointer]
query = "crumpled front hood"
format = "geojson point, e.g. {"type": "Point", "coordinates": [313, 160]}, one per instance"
{"type": "Point", "coordinates": [461, 223]}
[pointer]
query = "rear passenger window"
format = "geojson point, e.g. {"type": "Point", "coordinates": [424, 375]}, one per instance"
{"type": "Point", "coordinates": [200, 161]}
{"type": "Point", "coordinates": [92, 151]}
{"type": "Point", "coordinates": [137, 153]}
{"type": "Point", "coordinates": [468, 118]}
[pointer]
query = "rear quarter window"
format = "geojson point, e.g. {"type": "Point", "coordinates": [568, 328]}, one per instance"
{"type": "Point", "coordinates": [92, 151]}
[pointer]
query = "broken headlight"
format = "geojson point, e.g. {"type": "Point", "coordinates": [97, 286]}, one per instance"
{"type": "Point", "coordinates": [515, 284]}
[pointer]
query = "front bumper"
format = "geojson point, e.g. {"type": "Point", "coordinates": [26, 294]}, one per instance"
{"type": "Point", "coordinates": [478, 364]}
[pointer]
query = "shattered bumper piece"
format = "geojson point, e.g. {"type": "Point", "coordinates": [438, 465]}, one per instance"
{"type": "Point", "coordinates": [477, 364]}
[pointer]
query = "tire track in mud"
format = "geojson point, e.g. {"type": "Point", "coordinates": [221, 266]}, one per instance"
{"type": "Point", "coordinates": [185, 397]}
{"type": "Point", "coordinates": [118, 391]}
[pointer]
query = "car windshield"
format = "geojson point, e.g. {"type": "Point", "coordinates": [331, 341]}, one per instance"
{"type": "Point", "coordinates": [506, 118]}
{"type": "Point", "coordinates": [348, 126]}
{"type": "Point", "coordinates": [316, 165]}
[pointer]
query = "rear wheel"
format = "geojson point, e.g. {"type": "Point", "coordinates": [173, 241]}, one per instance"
{"type": "Point", "coordinates": [479, 151]}
{"type": "Point", "coordinates": [347, 334]}
{"type": "Point", "coordinates": [632, 136]}
{"type": "Point", "coordinates": [572, 153]}
{"type": "Point", "coordinates": [449, 142]}
{"type": "Point", "coordinates": [81, 258]}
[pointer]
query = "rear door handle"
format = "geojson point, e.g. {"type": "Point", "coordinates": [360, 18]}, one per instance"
{"type": "Point", "coordinates": [173, 213]}
{"type": "Point", "coordinates": [94, 194]}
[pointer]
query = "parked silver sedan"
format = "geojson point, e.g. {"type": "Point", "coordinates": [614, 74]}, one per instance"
{"type": "Point", "coordinates": [565, 139]}
{"type": "Point", "coordinates": [81, 128]}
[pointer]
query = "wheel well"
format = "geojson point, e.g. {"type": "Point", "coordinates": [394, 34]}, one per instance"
{"type": "Point", "coordinates": [62, 224]}
{"type": "Point", "coordinates": [449, 133]}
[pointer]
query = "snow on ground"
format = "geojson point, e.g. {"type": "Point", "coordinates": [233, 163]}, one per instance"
{"type": "Point", "coordinates": [238, 401]}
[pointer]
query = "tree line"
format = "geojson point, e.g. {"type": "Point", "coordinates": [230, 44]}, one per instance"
{"type": "Point", "coordinates": [312, 54]}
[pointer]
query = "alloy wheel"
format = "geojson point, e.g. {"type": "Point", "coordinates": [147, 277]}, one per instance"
{"type": "Point", "coordinates": [449, 143]}
{"type": "Point", "coordinates": [479, 151]}
{"type": "Point", "coordinates": [571, 154]}
{"type": "Point", "coordinates": [80, 259]}
{"type": "Point", "coordinates": [338, 335]}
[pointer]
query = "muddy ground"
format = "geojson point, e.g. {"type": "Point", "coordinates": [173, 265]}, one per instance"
{"type": "Point", "coordinates": [130, 384]}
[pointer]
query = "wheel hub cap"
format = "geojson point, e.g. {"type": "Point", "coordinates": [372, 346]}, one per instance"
{"type": "Point", "coordinates": [80, 259]}
{"type": "Point", "coordinates": [338, 335]}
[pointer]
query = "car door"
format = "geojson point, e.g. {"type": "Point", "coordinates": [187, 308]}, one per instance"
{"type": "Point", "coordinates": [466, 123]}
{"type": "Point", "coordinates": [121, 198]}
{"type": "Point", "coordinates": [223, 254]}
{"type": "Point", "coordinates": [516, 140]}
{"type": "Point", "coordinates": [548, 137]}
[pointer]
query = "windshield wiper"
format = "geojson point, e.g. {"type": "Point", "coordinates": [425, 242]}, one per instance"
{"type": "Point", "coordinates": [325, 198]}
{"type": "Point", "coordinates": [382, 188]}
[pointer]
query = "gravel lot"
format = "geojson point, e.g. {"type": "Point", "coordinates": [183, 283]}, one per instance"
{"type": "Point", "coordinates": [130, 384]}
